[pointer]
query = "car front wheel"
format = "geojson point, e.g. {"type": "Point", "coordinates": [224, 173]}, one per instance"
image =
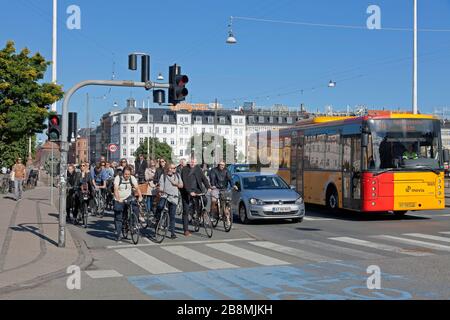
{"type": "Point", "coordinates": [243, 214]}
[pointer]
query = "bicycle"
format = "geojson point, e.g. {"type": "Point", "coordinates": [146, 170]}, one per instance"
{"type": "Point", "coordinates": [204, 219]}
{"type": "Point", "coordinates": [148, 215]}
{"type": "Point", "coordinates": [99, 203]}
{"type": "Point", "coordinates": [131, 224]}
{"type": "Point", "coordinates": [224, 211]}
{"type": "Point", "coordinates": [4, 185]}
{"type": "Point", "coordinates": [163, 224]}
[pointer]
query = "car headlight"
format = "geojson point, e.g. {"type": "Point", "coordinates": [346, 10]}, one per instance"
{"type": "Point", "coordinates": [299, 201]}
{"type": "Point", "coordinates": [254, 201]}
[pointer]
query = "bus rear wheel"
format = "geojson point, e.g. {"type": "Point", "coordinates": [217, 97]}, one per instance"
{"type": "Point", "coordinates": [332, 199]}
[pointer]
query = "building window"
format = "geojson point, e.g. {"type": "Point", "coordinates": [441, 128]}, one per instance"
{"type": "Point", "coordinates": [165, 140]}
{"type": "Point", "coordinates": [141, 140]}
{"type": "Point", "coordinates": [271, 119]}
{"type": "Point", "coordinates": [289, 120]}
{"type": "Point", "coordinates": [164, 130]}
{"type": "Point", "coordinates": [141, 129]}
{"type": "Point", "coordinates": [261, 119]}
{"type": "Point", "coordinates": [181, 153]}
{"type": "Point", "coordinates": [124, 140]}
{"type": "Point", "coordinates": [220, 130]}
{"type": "Point", "coordinates": [149, 129]}
{"type": "Point", "coordinates": [251, 119]}
{"type": "Point", "coordinates": [172, 142]}
{"type": "Point", "coordinates": [157, 130]}
{"type": "Point", "coordinates": [172, 130]}
{"type": "Point", "coordinates": [124, 118]}
{"type": "Point", "coordinates": [236, 131]}
{"type": "Point", "coordinates": [124, 152]}
{"type": "Point", "coordinates": [124, 129]}
{"type": "Point", "coordinates": [198, 119]}
{"type": "Point", "coordinates": [241, 121]}
{"type": "Point", "coordinates": [132, 152]}
{"type": "Point", "coordinates": [166, 118]}
{"type": "Point", "coordinates": [210, 120]}
{"type": "Point", "coordinates": [222, 120]}
{"type": "Point", "coordinates": [132, 118]}
{"type": "Point", "coordinates": [132, 141]}
{"type": "Point", "coordinates": [227, 131]}
{"type": "Point", "coordinates": [280, 119]}
{"type": "Point", "coordinates": [150, 118]}
{"type": "Point", "coordinates": [132, 129]}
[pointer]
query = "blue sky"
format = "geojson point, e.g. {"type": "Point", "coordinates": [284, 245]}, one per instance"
{"type": "Point", "coordinates": [272, 63]}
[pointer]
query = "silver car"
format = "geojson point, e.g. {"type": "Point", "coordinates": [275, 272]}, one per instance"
{"type": "Point", "coordinates": [265, 196]}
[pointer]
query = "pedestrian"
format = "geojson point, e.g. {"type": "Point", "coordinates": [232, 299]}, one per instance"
{"type": "Point", "coordinates": [18, 176]}
{"type": "Point", "coordinates": [181, 166]}
{"type": "Point", "coordinates": [140, 166]}
{"type": "Point", "coordinates": [160, 170]}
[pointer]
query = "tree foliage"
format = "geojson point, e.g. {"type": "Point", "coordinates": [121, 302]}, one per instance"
{"type": "Point", "coordinates": [157, 149]}
{"type": "Point", "coordinates": [24, 99]}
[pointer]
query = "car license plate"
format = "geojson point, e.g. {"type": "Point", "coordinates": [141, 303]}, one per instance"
{"type": "Point", "coordinates": [281, 209]}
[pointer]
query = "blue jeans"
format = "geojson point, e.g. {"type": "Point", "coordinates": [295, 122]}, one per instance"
{"type": "Point", "coordinates": [149, 203]}
{"type": "Point", "coordinates": [172, 213]}
{"type": "Point", "coordinates": [18, 188]}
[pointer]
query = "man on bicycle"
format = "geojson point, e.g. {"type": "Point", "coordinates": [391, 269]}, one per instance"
{"type": "Point", "coordinates": [99, 177]}
{"type": "Point", "coordinates": [220, 179]}
{"type": "Point", "coordinates": [123, 192]}
{"type": "Point", "coordinates": [73, 185]}
{"type": "Point", "coordinates": [195, 182]}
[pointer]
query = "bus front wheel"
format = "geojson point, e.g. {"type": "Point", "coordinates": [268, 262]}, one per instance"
{"type": "Point", "coordinates": [332, 199]}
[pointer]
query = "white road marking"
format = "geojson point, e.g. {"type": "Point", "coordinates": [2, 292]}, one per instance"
{"type": "Point", "coordinates": [379, 246]}
{"type": "Point", "coordinates": [199, 258]}
{"type": "Point", "coordinates": [292, 251]}
{"type": "Point", "coordinates": [146, 262]}
{"type": "Point", "coordinates": [102, 274]}
{"type": "Point", "coordinates": [427, 236]}
{"type": "Point", "coordinates": [247, 254]}
{"type": "Point", "coordinates": [152, 244]}
{"type": "Point", "coordinates": [423, 244]}
{"type": "Point", "coordinates": [341, 250]}
{"type": "Point", "coordinates": [446, 232]}
{"type": "Point", "coordinates": [317, 219]}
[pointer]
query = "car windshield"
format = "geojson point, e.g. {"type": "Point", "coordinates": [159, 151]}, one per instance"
{"type": "Point", "coordinates": [264, 183]}
{"type": "Point", "coordinates": [405, 143]}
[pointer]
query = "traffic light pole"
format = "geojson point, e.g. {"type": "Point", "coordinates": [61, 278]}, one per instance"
{"type": "Point", "coordinates": [65, 132]}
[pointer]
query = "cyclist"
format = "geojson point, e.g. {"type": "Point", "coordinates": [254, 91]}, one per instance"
{"type": "Point", "coordinates": [123, 190]}
{"type": "Point", "coordinates": [109, 185]}
{"type": "Point", "coordinates": [140, 166]}
{"type": "Point", "coordinates": [149, 178]}
{"type": "Point", "coordinates": [119, 169]}
{"type": "Point", "coordinates": [220, 179]}
{"type": "Point", "coordinates": [169, 185]}
{"type": "Point", "coordinates": [195, 182]}
{"type": "Point", "coordinates": [73, 183]}
{"type": "Point", "coordinates": [84, 183]}
{"type": "Point", "coordinates": [99, 178]}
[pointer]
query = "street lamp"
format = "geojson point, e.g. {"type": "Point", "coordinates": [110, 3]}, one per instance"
{"type": "Point", "coordinates": [160, 77]}
{"type": "Point", "coordinates": [415, 106]}
{"type": "Point", "coordinates": [231, 38]}
{"type": "Point", "coordinates": [331, 84]}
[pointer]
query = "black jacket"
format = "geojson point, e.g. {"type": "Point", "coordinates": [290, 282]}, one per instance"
{"type": "Point", "coordinates": [194, 180]}
{"type": "Point", "coordinates": [158, 173]}
{"type": "Point", "coordinates": [220, 179]}
{"type": "Point", "coordinates": [139, 169]}
{"type": "Point", "coordinates": [73, 180]}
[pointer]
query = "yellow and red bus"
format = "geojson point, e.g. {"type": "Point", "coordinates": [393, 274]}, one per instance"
{"type": "Point", "coordinates": [382, 161]}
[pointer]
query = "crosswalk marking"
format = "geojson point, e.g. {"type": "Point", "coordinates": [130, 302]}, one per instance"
{"type": "Point", "coordinates": [379, 246]}
{"type": "Point", "coordinates": [446, 232]}
{"type": "Point", "coordinates": [291, 251]}
{"type": "Point", "coordinates": [423, 244]}
{"type": "Point", "coordinates": [427, 236]}
{"type": "Point", "coordinates": [146, 261]}
{"type": "Point", "coordinates": [102, 274]}
{"type": "Point", "coordinates": [247, 254]}
{"type": "Point", "coordinates": [341, 250]}
{"type": "Point", "coordinates": [199, 258]}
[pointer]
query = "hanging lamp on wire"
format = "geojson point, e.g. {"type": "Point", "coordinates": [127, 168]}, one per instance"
{"type": "Point", "coordinates": [231, 39]}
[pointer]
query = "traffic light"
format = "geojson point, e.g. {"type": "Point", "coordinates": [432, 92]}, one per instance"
{"type": "Point", "coordinates": [54, 128]}
{"type": "Point", "coordinates": [177, 81]}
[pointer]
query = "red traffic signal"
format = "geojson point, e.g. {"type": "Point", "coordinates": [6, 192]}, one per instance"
{"type": "Point", "coordinates": [178, 81]}
{"type": "Point", "coordinates": [54, 120]}
{"type": "Point", "coordinates": [54, 128]}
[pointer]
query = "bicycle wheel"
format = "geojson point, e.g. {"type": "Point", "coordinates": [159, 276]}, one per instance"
{"type": "Point", "coordinates": [214, 219]}
{"type": "Point", "coordinates": [207, 223]}
{"type": "Point", "coordinates": [227, 224]}
{"type": "Point", "coordinates": [85, 214]}
{"type": "Point", "coordinates": [101, 207]}
{"type": "Point", "coordinates": [161, 228]}
{"type": "Point", "coordinates": [134, 228]}
{"type": "Point", "coordinates": [125, 226]}
{"type": "Point", "coordinates": [196, 222]}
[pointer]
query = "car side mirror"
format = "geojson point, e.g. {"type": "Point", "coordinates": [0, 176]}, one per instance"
{"type": "Point", "coordinates": [446, 155]}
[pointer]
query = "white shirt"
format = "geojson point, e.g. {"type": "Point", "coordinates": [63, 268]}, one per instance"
{"type": "Point", "coordinates": [125, 189]}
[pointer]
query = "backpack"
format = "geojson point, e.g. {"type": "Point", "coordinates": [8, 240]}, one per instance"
{"type": "Point", "coordinates": [131, 182]}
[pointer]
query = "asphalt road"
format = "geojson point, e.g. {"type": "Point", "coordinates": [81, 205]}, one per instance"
{"type": "Point", "coordinates": [325, 257]}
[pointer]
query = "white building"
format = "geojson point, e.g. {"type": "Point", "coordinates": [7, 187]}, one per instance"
{"type": "Point", "coordinates": [131, 126]}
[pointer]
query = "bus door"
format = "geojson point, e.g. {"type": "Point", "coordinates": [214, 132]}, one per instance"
{"type": "Point", "coordinates": [351, 174]}
{"type": "Point", "coordinates": [297, 162]}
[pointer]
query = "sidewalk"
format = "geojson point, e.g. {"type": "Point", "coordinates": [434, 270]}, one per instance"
{"type": "Point", "coordinates": [29, 253]}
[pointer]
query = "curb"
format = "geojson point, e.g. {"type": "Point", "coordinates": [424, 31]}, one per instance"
{"type": "Point", "coordinates": [84, 260]}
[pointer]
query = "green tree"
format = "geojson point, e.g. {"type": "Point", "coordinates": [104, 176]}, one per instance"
{"type": "Point", "coordinates": [24, 99]}
{"type": "Point", "coordinates": [157, 149]}
{"type": "Point", "coordinates": [207, 148]}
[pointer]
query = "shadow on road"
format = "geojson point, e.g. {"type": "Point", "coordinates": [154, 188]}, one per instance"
{"type": "Point", "coordinates": [316, 211]}
{"type": "Point", "coordinates": [29, 227]}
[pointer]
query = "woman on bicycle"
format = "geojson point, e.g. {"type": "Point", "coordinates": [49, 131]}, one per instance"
{"type": "Point", "coordinates": [73, 184]}
{"type": "Point", "coordinates": [84, 184]}
{"type": "Point", "coordinates": [149, 178]}
{"type": "Point", "coordinates": [169, 185]}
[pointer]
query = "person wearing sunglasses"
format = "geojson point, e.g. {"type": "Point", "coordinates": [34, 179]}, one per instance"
{"type": "Point", "coordinates": [119, 169]}
{"type": "Point", "coordinates": [169, 184]}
